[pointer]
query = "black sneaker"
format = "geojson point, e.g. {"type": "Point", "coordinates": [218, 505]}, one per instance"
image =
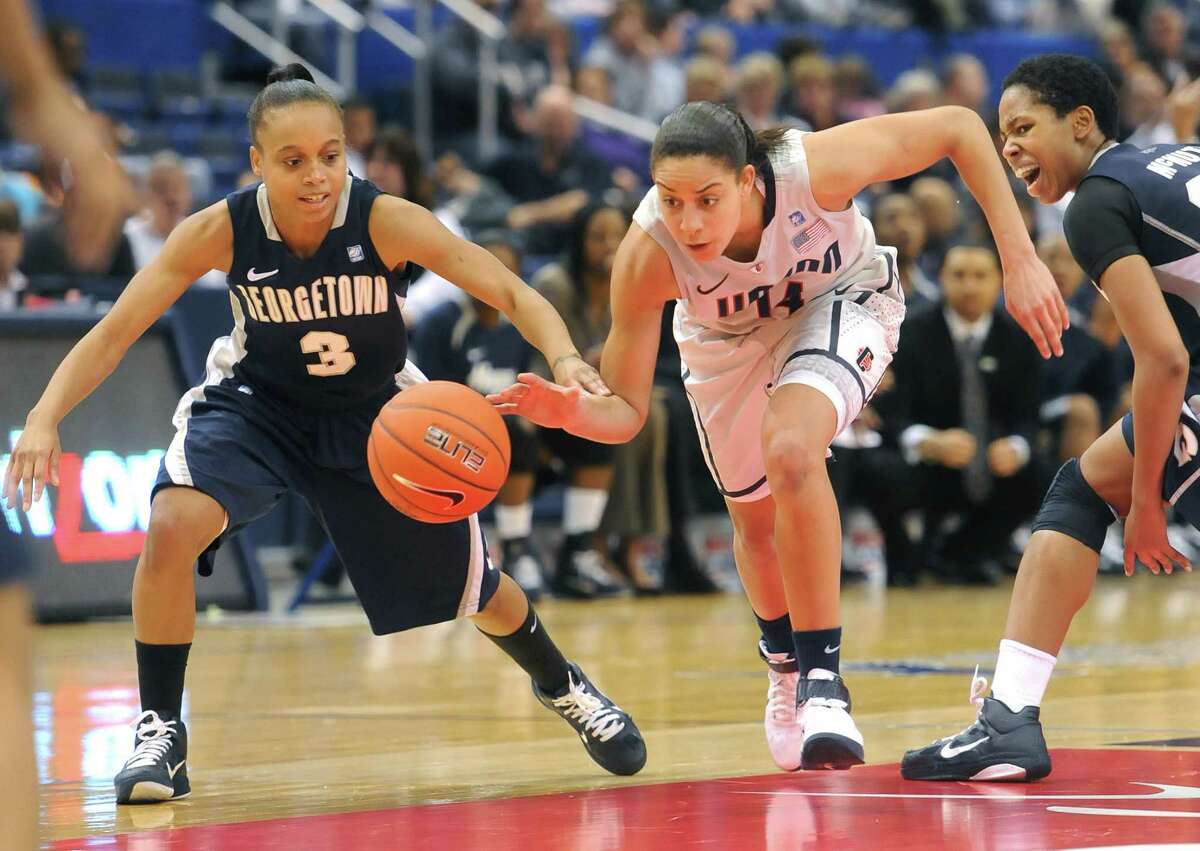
{"type": "Point", "coordinates": [581, 574]}
{"type": "Point", "coordinates": [157, 771]}
{"type": "Point", "coordinates": [1000, 745]}
{"type": "Point", "coordinates": [607, 731]}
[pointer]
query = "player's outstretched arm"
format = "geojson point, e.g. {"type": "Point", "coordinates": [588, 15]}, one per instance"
{"type": "Point", "coordinates": [202, 242]}
{"type": "Point", "coordinates": [43, 111]}
{"type": "Point", "coordinates": [844, 160]}
{"type": "Point", "coordinates": [1160, 370]}
{"type": "Point", "coordinates": [642, 282]}
{"type": "Point", "coordinates": [402, 231]}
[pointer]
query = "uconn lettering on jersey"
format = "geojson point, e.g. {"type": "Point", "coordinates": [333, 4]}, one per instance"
{"type": "Point", "coordinates": [759, 298]}
{"type": "Point", "coordinates": [327, 297]}
{"type": "Point", "coordinates": [1168, 164]}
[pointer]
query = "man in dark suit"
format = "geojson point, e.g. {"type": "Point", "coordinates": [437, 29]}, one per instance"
{"type": "Point", "coordinates": [964, 411]}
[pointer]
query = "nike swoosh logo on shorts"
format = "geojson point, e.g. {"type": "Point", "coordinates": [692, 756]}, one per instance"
{"type": "Point", "coordinates": [948, 751]}
{"type": "Point", "coordinates": [258, 276]}
{"type": "Point", "coordinates": [455, 497]}
{"type": "Point", "coordinates": [173, 771]}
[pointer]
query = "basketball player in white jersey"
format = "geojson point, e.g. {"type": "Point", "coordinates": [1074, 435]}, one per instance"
{"type": "Point", "coordinates": [787, 316]}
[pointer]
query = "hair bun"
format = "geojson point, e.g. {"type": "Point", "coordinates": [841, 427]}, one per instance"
{"type": "Point", "coordinates": [292, 71]}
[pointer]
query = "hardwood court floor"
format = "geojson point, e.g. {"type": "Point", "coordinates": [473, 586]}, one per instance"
{"type": "Point", "coordinates": [298, 717]}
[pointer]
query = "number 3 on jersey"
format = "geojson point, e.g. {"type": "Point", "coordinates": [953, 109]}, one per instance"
{"type": "Point", "coordinates": [333, 349]}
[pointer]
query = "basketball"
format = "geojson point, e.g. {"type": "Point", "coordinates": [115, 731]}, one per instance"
{"type": "Point", "coordinates": [438, 452]}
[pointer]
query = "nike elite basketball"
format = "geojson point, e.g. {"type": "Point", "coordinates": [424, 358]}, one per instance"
{"type": "Point", "coordinates": [438, 452]}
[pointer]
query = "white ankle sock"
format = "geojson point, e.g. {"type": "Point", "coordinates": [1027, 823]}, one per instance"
{"type": "Point", "coordinates": [514, 521]}
{"type": "Point", "coordinates": [583, 509]}
{"type": "Point", "coordinates": [1022, 674]}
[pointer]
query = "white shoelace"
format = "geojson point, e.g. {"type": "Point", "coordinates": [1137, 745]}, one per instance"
{"type": "Point", "coordinates": [155, 735]}
{"type": "Point", "coordinates": [781, 696]}
{"type": "Point", "coordinates": [979, 687]}
{"type": "Point", "coordinates": [600, 721]}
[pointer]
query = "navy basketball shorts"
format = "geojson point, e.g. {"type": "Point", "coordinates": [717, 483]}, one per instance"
{"type": "Point", "coordinates": [14, 566]}
{"type": "Point", "coordinates": [245, 450]}
{"type": "Point", "coordinates": [1182, 468]}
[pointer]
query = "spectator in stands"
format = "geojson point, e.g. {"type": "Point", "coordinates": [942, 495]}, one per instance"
{"type": "Point", "coordinates": [812, 98]}
{"type": "Point", "coordinates": [1143, 98]}
{"type": "Point", "coordinates": [578, 287]}
{"type": "Point", "coordinates": [706, 79]}
{"type": "Point", "coordinates": [53, 272]}
{"type": "Point", "coordinates": [1081, 386]}
{"type": "Point", "coordinates": [540, 52]}
{"type": "Point", "coordinates": [358, 114]}
{"type": "Point", "coordinates": [394, 164]}
{"type": "Point", "coordinates": [964, 410]}
{"type": "Point", "coordinates": [168, 201]}
{"type": "Point", "coordinates": [942, 211]}
{"type": "Point", "coordinates": [455, 60]}
{"type": "Point", "coordinates": [477, 201]}
{"type": "Point", "coordinates": [1166, 48]}
{"type": "Point", "coordinates": [627, 154]}
{"type": "Point", "coordinates": [757, 89]}
{"type": "Point", "coordinates": [1072, 282]}
{"type": "Point", "coordinates": [748, 12]}
{"type": "Point", "coordinates": [914, 90]}
{"type": "Point", "coordinates": [1120, 50]}
{"type": "Point", "coordinates": [645, 82]}
{"type": "Point", "coordinates": [855, 87]}
{"type": "Point", "coordinates": [717, 42]}
{"type": "Point", "coordinates": [12, 283]}
{"type": "Point", "coordinates": [965, 83]}
{"type": "Point", "coordinates": [898, 222]}
{"type": "Point", "coordinates": [552, 176]}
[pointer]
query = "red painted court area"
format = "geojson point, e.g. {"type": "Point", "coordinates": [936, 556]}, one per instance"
{"type": "Point", "coordinates": [1095, 798]}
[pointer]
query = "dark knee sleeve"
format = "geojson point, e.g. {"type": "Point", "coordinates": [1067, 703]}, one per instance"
{"type": "Point", "coordinates": [524, 442]}
{"type": "Point", "coordinates": [1074, 509]}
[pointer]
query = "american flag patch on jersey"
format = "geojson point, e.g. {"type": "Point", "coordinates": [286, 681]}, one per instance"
{"type": "Point", "coordinates": [811, 236]}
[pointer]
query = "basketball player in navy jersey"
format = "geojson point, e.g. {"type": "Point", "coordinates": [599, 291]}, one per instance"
{"type": "Point", "coordinates": [787, 313]}
{"type": "Point", "coordinates": [314, 259]}
{"type": "Point", "coordinates": [41, 109]}
{"type": "Point", "coordinates": [1134, 227]}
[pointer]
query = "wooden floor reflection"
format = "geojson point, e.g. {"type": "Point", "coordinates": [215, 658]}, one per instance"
{"type": "Point", "coordinates": [293, 717]}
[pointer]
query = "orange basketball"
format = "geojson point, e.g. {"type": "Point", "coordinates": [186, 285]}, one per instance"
{"type": "Point", "coordinates": [438, 452]}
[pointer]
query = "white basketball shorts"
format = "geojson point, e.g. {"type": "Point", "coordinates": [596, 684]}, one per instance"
{"type": "Point", "coordinates": [840, 346]}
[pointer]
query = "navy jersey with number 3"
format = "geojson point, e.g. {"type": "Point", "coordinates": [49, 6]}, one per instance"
{"type": "Point", "coordinates": [324, 332]}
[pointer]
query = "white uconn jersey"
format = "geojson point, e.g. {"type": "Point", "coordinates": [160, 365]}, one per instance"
{"type": "Point", "coordinates": [805, 253]}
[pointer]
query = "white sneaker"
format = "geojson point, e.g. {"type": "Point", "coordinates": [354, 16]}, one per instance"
{"type": "Point", "coordinates": [831, 739]}
{"type": "Point", "coordinates": [784, 736]}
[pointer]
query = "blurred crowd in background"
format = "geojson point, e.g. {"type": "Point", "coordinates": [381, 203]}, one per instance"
{"type": "Point", "coordinates": [939, 475]}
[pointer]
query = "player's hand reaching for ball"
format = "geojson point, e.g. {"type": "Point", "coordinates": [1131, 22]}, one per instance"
{"type": "Point", "coordinates": [539, 401]}
{"type": "Point", "coordinates": [1034, 300]}
{"type": "Point", "coordinates": [573, 371]}
{"type": "Point", "coordinates": [1146, 541]}
{"type": "Point", "coordinates": [34, 461]}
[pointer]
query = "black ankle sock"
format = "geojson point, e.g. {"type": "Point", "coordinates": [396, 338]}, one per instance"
{"type": "Point", "coordinates": [776, 634]}
{"type": "Point", "coordinates": [818, 648]}
{"type": "Point", "coordinates": [531, 648]}
{"type": "Point", "coordinates": [160, 676]}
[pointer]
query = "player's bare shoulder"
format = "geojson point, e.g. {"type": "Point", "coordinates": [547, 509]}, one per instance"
{"type": "Point", "coordinates": [205, 238]}
{"type": "Point", "coordinates": [642, 271]}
